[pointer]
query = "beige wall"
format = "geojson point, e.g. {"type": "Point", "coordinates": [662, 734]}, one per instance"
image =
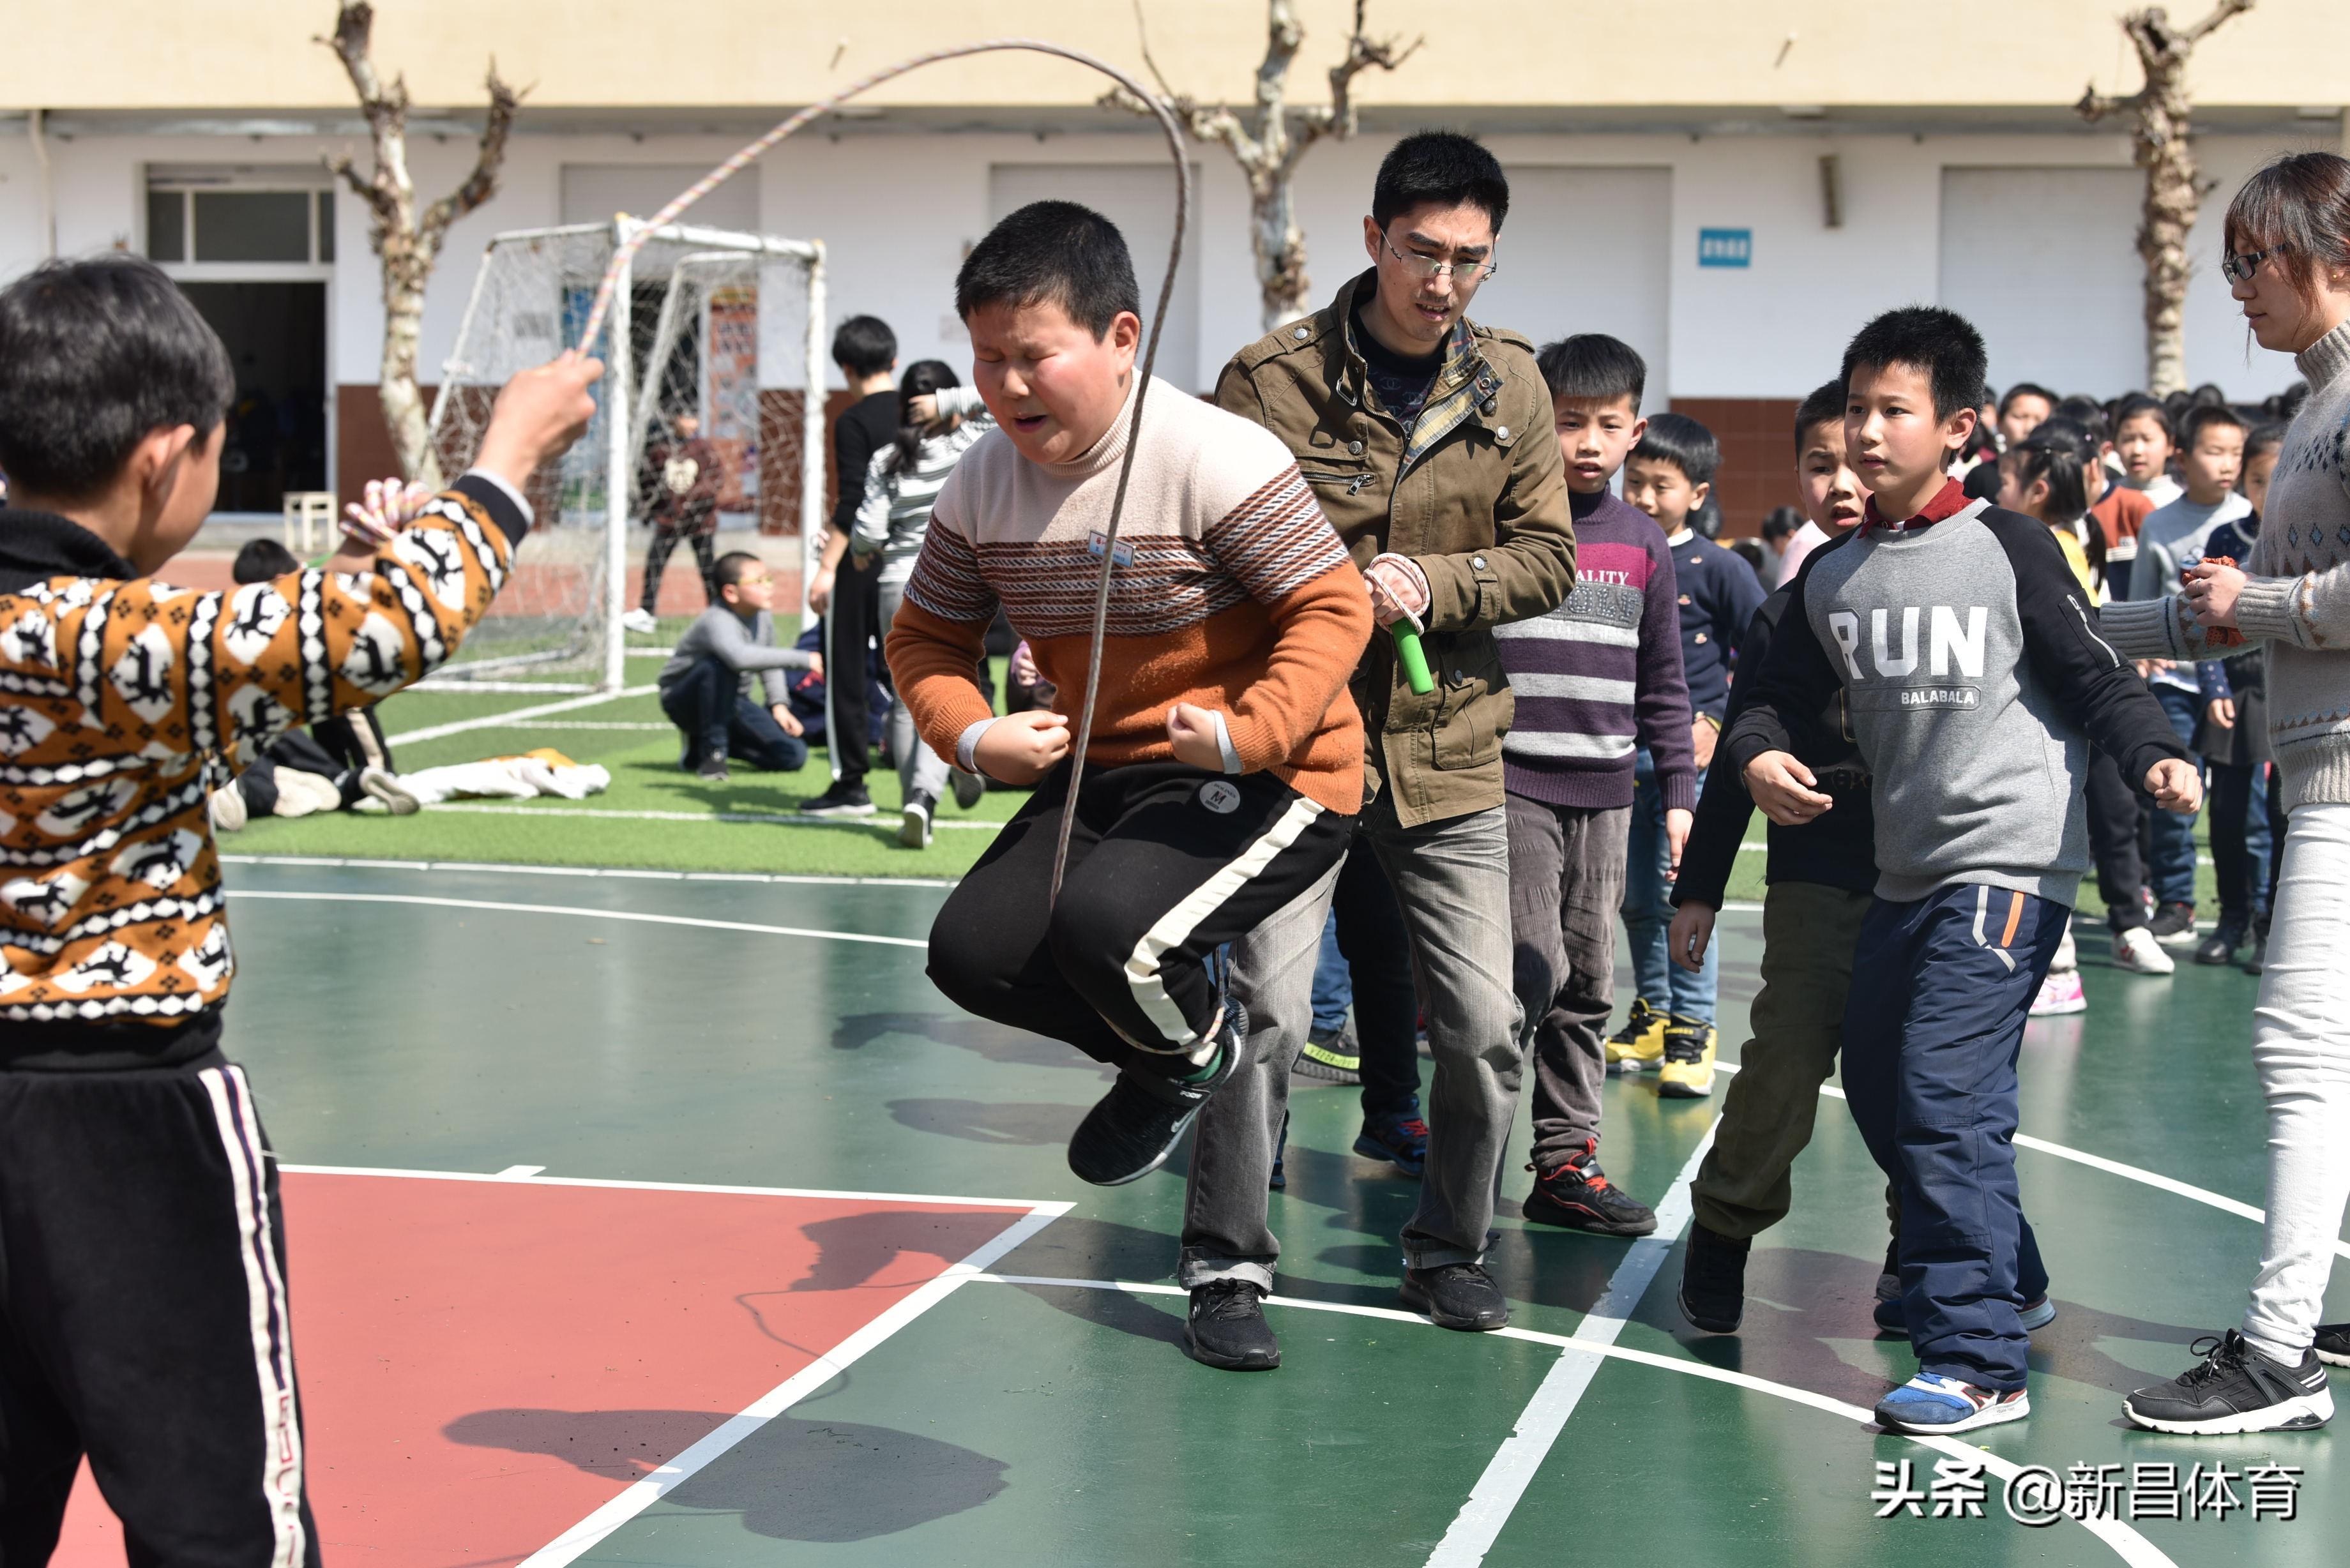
{"type": "Point", "coordinates": [1501, 55]}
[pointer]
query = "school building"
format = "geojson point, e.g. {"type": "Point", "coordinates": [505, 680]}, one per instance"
{"type": "Point", "coordinates": [1730, 187]}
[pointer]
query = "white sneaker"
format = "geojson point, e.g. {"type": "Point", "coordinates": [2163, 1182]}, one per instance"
{"type": "Point", "coordinates": [2068, 956]}
{"type": "Point", "coordinates": [227, 808]}
{"type": "Point", "coordinates": [2137, 950]}
{"type": "Point", "coordinates": [640, 620]}
{"type": "Point", "coordinates": [386, 787]}
{"type": "Point", "coordinates": [2060, 993]}
{"type": "Point", "coordinates": [914, 825]}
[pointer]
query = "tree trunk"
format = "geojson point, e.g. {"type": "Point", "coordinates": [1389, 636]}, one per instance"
{"type": "Point", "coordinates": [405, 416]}
{"type": "Point", "coordinates": [1280, 247]}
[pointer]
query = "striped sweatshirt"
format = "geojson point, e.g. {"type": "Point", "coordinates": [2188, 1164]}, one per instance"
{"type": "Point", "coordinates": [1229, 590]}
{"type": "Point", "coordinates": [895, 512]}
{"type": "Point", "coordinates": [116, 691]}
{"type": "Point", "coordinates": [1600, 676]}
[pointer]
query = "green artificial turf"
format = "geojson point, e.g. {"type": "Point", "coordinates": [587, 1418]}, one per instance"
{"type": "Point", "coordinates": [735, 826]}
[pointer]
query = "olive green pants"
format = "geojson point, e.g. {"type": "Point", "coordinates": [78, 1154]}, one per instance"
{"type": "Point", "coordinates": [1808, 935]}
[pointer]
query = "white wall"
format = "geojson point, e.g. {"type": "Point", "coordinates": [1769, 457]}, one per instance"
{"type": "Point", "coordinates": [896, 212]}
{"type": "Point", "coordinates": [2040, 261]}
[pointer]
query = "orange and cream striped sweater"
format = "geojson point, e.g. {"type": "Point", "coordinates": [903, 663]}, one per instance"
{"type": "Point", "coordinates": [115, 694]}
{"type": "Point", "coordinates": [1230, 590]}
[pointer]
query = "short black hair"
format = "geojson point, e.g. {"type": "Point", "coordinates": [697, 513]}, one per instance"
{"type": "Point", "coordinates": [1780, 522]}
{"type": "Point", "coordinates": [2202, 416]}
{"type": "Point", "coordinates": [1940, 344]}
{"type": "Point", "coordinates": [263, 560]}
{"type": "Point", "coordinates": [2266, 439]}
{"type": "Point", "coordinates": [2086, 412]}
{"type": "Point", "coordinates": [1593, 368]}
{"type": "Point", "coordinates": [1055, 251]}
{"type": "Point", "coordinates": [728, 569]}
{"type": "Point", "coordinates": [2139, 406]}
{"type": "Point", "coordinates": [1442, 167]}
{"type": "Point", "coordinates": [2026, 389]}
{"type": "Point", "coordinates": [97, 354]}
{"type": "Point", "coordinates": [1982, 483]}
{"type": "Point", "coordinates": [1682, 441]}
{"type": "Point", "coordinates": [864, 346]}
{"type": "Point", "coordinates": [1823, 404]}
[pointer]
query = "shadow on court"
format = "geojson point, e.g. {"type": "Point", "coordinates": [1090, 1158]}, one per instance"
{"type": "Point", "coordinates": [995, 1042]}
{"type": "Point", "coordinates": [1028, 1123]}
{"type": "Point", "coordinates": [792, 1480]}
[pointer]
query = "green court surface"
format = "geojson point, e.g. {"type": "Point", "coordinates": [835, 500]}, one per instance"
{"type": "Point", "coordinates": [1034, 1405]}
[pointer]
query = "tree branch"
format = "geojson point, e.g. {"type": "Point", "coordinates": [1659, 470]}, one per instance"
{"type": "Point", "coordinates": [2096, 105]}
{"type": "Point", "coordinates": [2221, 13]}
{"type": "Point", "coordinates": [1363, 52]}
{"type": "Point", "coordinates": [483, 182]}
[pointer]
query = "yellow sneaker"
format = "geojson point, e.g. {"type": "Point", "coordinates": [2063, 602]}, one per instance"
{"type": "Point", "coordinates": [1687, 1070]}
{"type": "Point", "coordinates": [1641, 1040]}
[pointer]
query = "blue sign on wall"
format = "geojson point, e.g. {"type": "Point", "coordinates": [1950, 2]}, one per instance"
{"type": "Point", "coordinates": [1725, 248]}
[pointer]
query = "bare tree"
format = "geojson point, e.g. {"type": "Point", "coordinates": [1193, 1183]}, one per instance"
{"type": "Point", "coordinates": [408, 241]}
{"type": "Point", "coordinates": [1273, 140]}
{"type": "Point", "coordinates": [2174, 187]}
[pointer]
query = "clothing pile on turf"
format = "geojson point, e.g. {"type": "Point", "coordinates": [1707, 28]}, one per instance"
{"type": "Point", "coordinates": [544, 771]}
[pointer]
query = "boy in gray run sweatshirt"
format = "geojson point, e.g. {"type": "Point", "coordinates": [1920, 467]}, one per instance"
{"type": "Point", "coordinates": [1972, 678]}
{"type": "Point", "coordinates": [708, 686]}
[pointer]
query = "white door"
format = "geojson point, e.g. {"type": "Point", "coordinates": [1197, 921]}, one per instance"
{"type": "Point", "coordinates": [1558, 276]}
{"type": "Point", "coordinates": [1139, 197]}
{"type": "Point", "coordinates": [2044, 263]}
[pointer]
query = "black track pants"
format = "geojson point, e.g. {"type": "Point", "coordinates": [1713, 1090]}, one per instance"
{"type": "Point", "coordinates": [143, 1319]}
{"type": "Point", "coordinates": [1166, 863]}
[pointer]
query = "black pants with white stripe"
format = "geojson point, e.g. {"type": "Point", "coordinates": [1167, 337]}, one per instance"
{"type": "Point", "coordinates": [1166, 863]}
{"type": "Point", "coordinates": [143, 1319]}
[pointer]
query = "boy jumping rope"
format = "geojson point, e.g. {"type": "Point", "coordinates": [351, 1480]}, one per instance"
{"type": "Point", "coordinates": [1973, 677]}
{"type": "Point", "coordinates": [1225, 768]}
{"type": "Point", "coordinates": [143, 1314]}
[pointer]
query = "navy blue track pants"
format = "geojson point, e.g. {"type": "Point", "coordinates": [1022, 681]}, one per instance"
{"type": "Point", "coordinates": [1941, 990]}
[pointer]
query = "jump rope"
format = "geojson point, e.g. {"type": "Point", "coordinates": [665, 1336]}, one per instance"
{"type": "Point", "coordinates": [1407, 638]}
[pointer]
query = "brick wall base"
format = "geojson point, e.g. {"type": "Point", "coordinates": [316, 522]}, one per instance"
{"type": "Point", "coordinates": [1758, 456]}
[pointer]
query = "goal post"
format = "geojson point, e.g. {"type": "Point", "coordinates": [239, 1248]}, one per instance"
{"type": "Point", "coordinates": [723, 329]}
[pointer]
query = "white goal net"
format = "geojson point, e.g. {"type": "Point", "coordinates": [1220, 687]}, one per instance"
{"type": "Point", "coordinates": [726, 331]}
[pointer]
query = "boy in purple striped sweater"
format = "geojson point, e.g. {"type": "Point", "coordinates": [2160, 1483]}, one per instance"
{"type": "Point", "coordinates": [1596, 679]}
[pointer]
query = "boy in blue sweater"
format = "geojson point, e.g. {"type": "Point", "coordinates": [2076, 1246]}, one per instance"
{"type": "Point", "coordinates": [1596, 679]}
{"type": "Point", "coordinates": [1668, 477]}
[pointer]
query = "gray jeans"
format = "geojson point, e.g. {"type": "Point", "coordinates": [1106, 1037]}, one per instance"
{"type": "Point", "coordinates": [1451, 879]}
{"type": "Point", "coordinates": [1567, 878]}
{"type": "Point", "coordinates": [919, 767]}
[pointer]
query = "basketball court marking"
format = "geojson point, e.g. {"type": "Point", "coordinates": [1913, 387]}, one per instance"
{"type": "Point", "coordinates": [629, 872]}
{"type": "Point", "coordinates": [636, 916]}
{"type": "Point", "coordinates": [771, 818]}
{"type": "Point", "coordinates": [2132, 1547]}
{"type": "Point", "coordinates": [1512, 1469]}
{"type": "Point", "coordinates": [492, 721]}
{"type": "Point", "coordinates": [1051, 1208]}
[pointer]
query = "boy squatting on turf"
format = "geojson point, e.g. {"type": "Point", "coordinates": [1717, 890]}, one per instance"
{"type": "Point", "coordinates": [143, 1307]}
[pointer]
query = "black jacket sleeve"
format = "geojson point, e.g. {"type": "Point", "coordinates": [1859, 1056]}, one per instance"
{"type": "Point", "coordinates": [1793, 679]}
{"type": "Point", "coordinates": [852, 456]}
{"type": "Point", "coordinates": [2098, 687]}
{"type": "Point", "coordinates": [1724, 807]}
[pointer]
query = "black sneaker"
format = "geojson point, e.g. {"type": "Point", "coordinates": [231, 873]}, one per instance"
{"type": "Point", "coordinates": [2333, 1346]}
{"type": "Point", "coordinates": [2235, 1389]}
{"type": "Point", "coordinates": [2258, 958]}
{"type": "Point", "coordinates": [970, 789]}
{"type": "Point", "coordinates": [1331, 1054]}
{"type": "Point", "coordinates": [1399, 1135]}
{"type": "Point", "coordinates": [1226, 1328]}
{"type": "Point", "coordinates": [1713, 1281]}
{"type": "Point", "coordinates": [1888, 1278]}
{"type": "Point", "coordinates": [2219, 947]}
{"type": "Point", "coordinates": [711, 769]}
{"type": "Point", "coordinates": [2174, 925]}
{"type": "Point", "coordinates": [1279, 1181]}
{"type": "Point", "coordinates": [845, 798]}
{"type": "Point", "coordinates": [1578, 1195]}
{"type": "Point", "coordinates": [1456, 1295]}
{"type": "Point", "coordinates": [1132, 1129]}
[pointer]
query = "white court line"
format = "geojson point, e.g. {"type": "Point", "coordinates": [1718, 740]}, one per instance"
{"type": "Point", "coordinates": [519, 1172]}
{"type": "Point", "coordinates": [580, 724]}
{"type": "Point", "coordinates": [434, 732]}
{"type": "Point", "coordinates": [779, 818]}
{"type": "Point", "coordinates": [2132, 1547]}
{"type": "Point", "coordinates": [630, 873]}
{"type": "Point", "coordinates": [1512, 1468]}
{"type": "Point", "coordinates": [952, 1199]}
{"type": "Point", "coordinates": [2153, 1178]}
{"type": "Point", "coordinates": [636, 915]}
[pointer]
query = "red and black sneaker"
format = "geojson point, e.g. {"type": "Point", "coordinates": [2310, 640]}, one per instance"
{"type": "Point", "coordinates": [1577, 1195]}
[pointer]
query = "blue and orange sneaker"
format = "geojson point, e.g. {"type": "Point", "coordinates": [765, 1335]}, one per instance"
{"type": "Point", "coordinates": [1396, 1136]}
{"type": "Point", "coordinates": [1932, 1404]}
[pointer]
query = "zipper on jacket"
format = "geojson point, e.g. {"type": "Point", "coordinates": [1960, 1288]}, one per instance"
{"type": "Point", "coordinates": [1353, 483]}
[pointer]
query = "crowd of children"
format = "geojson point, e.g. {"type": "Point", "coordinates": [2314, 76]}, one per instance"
{"type": "Point", "coordinates": [1982, 671]}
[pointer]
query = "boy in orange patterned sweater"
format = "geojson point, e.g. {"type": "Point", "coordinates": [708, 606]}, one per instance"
{"type": "Point", "coordinates": [143, 1316]}
{"type": "Point", "coordinates": [1226, 764]}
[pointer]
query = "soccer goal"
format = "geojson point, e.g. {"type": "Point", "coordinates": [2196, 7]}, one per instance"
{"type": "Point", "coordinates": [725, 329]}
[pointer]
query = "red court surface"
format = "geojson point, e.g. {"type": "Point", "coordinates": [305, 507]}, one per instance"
{"type": "Point", "coordinates": [486, 1362]}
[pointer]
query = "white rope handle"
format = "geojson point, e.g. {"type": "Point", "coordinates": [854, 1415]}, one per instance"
{"type": "Point", "coordinates": [1174, 135]}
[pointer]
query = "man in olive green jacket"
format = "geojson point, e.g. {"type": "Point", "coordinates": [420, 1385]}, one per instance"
{"type": "Point", "coordinates": [1428, 441]}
